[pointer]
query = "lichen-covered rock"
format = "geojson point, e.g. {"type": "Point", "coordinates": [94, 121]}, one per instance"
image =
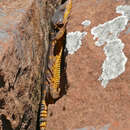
{"type": "Point", "coordinates": [91, 104]}
{"type": "Point", "coordinates": [73, 41]}
{"type": "Point", "coordinates": [24, 31]}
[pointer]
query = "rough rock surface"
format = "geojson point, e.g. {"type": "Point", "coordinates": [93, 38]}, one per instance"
{"type": "Point", "coordinates": [87, 105]}
{"type": "Point", "coordinates": [24, 28]}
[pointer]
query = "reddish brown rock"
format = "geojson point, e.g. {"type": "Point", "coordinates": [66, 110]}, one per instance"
{"type": "Point", "coordinates": [87, 104]}
{"type": "Point", "coordinates": [24, 29]}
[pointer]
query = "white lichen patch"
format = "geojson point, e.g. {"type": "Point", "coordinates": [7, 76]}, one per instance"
{"type": "Point", "coordinates": [86, 23]}
{"type": "Point", "coordinates": [109, 30]}
{"type": "Point", "coordinates": [108, 33]}
{"type": "Point", "coordinates": [124, 10]}
{"type": "Point", "coordinates": [115, 61]}
{"type": "Point", "coordinates": [74, 42]}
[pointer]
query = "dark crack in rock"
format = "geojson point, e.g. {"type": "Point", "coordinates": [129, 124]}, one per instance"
{"type": "Point", "coordinates": [6, 124]}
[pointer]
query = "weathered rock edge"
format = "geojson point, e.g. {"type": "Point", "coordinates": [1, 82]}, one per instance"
{"type": "Point", "coordinates": [24, 32]}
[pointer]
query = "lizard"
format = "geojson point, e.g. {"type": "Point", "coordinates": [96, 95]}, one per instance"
{"type": "Point", "coordinates": [53, 73]}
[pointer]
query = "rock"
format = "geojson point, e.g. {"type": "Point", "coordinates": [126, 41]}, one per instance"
{"type": "Point", "coordinates": [88, 104]}
{"type": "Point", "coordinates": [24, 30]}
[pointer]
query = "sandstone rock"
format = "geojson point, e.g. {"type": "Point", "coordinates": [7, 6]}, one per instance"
{"type": "Point", "coordinates": [88, 105]}
{"type": "Point", "coordinates": [24, 31]}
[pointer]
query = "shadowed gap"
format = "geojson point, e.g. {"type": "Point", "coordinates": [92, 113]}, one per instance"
{"type": "Point", "coordinates": [63, 1]}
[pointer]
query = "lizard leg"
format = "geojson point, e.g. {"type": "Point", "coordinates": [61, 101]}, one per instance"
{"type": "Point", "coordinates": [60, 34]}
{"type": "Point", "coordinates": [67, 11]}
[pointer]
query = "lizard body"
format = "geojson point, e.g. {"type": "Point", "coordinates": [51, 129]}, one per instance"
{"type": "Point", "coordinates": [53, 69]}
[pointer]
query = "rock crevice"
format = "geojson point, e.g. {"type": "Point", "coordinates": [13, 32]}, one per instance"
{"type": "Point", "coordinates": [24, 38]}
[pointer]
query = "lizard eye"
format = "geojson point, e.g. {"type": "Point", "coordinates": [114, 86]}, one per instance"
{"type": "Point", "coordinates": [60, 25]}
